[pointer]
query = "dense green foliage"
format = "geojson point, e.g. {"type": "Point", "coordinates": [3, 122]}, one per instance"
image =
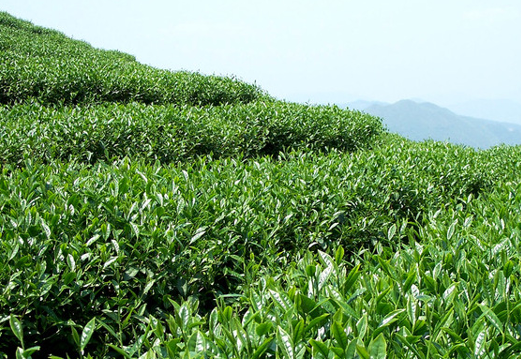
{"type": "Point", "coordinates": [43, 64]}
{"type": "Point", "coordinates": [166, 226]}
{"type": "Point", "coordinates": [113, 240]}
{"type": "Point", "coordinates": [173, 133]}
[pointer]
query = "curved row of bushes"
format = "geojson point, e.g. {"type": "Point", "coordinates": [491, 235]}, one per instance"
{"type": "Point", "coordinates": [122, 241]}
{"type": "Point", "coordinates": [172, 133]}
{"type": "Point", "coordinates": [152, 228]}
{"type": "Point", "coordinates": [45, 65]}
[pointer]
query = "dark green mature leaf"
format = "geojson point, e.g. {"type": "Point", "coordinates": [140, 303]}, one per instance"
{"type": "Point", "coordinates": [76, 337]}
{"type": "Point", "coordinates": [259, 352]}
{"type": "Point", "coordinates": [307, 304]}
{"type": "Point", "coordinates": [263, 328]}
{"type": "Point", "coordinates": [316, 322]}
{"type": "Point", "coordinates": [339, 335]}
{"type": "Point", "coordinates": [320, 350]}
{"type": "Point", "coordinates": [120, 351]}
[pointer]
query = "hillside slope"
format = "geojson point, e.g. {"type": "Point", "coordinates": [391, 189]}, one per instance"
{"type": "Point", "coordinates": [95, 104]}
{"type": "Point", "coordinates": [45, 65]}
{"type": "Point", "coordinates": [170, 219]}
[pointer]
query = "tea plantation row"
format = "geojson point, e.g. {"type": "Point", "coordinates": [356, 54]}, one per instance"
{"type": "Point", "coordinates": [178, 133]}
{"type": "Point", "coordinates": [124, 242]}
{"type": "Point", "coordinates": [149, 213]}
{"type": "Point", "coordinates": [44, 65]}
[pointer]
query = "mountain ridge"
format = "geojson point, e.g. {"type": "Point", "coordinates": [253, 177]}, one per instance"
{"type": "Point", "coordinates": [425, 120]}
{"type": "Point", "coordinates": [501, 110]}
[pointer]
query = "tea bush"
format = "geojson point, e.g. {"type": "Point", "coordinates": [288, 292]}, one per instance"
{"type": "Point", "coordinates": [173, 134]}
{"type": "Point", "coordinates": [150, 214]}
{"type": "Point", "coordinates": [124, 241]}
{"type": "Point", "coordinates": [44, 65]}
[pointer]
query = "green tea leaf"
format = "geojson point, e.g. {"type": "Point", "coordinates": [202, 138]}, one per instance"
{"type": "Point", "coordinates": [306, 304]}
{"type": "Point", "coordinates": [378, 348]}
{"type": "Point", "coordinates": [75, 337]}
{"type": "Point", "coordinates": [479, 344]}
{"type": "Point", "coordinates": [354, 274]}
{"type": "Point", "coordinates": [284, 343]}
{"type": "Point", "coordinates": [259, 352]}
{"type": "Point", "coordinates": [508, 268]}
{"type": "Point", "coordinates": [149, 286]}
{"type": "Point", "coordinates": [30, 351]}
{"type": "Point", "coordinates": [263, 328]}
{"type": "Point", "coordinates": [339, 334]}
{"type": "Point", "coordinates": [391, 232]}
{"type": "Point", "coordinates": [492, 318]}
{"type": "Point", "coordinates": [315, 322]}
{"type": "Point", "coordinates": [339, 255]}
{"type": "Point", "coordinates": [320, 350]}
{"type": "Point", "coordinates": [450, 231]}
{"type": "Point", "coordinates": [86, 333]}
{"type": "Point", "coordinates": [20, 353]}
{"type": "Point", "coordinates": [298, 331]}
{"type": "Point", "coordinates": [362, 352]}
{"type": "Point", "coordinates": [361, 326]}
{"type": "Point", "coordinates": [46, 229]}
{"type": "Point", "coordinates": [391, 317]}
{"type": "Point", "coordinates": [16, 327]}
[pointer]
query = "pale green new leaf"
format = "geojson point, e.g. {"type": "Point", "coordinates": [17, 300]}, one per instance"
{"type": "Point", "coordinates": [46, 229]}
{"type": "Point", "coordinates": [492, 318]}
{"type": "Point", "coordinates": [391, 317]}
{"type": "Point", "coordinates": [479, 344]}
{"type": "Point", "coordinates": [362, 352]}
{"type": "Point", "coordinates": [450, 231]}
{"type": "Point", "coordinates": [391, 232]}
{"type": "Point", "coordinates": [378, 347]}
{"type": "Point", "coordinates": [284, 343]}
{"type": "Point", "coordinates": [86, 333]}
{"type": "Point", "coordinates": [16, 327]}
{"type": "Point", "coordinates": [281, 299]}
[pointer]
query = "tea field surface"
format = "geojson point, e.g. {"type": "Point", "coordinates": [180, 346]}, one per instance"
{"type": "Point", "coordinates": [147, 213]}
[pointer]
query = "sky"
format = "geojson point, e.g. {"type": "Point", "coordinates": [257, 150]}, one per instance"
{"type": "Point", "coordinates": [311, 51]}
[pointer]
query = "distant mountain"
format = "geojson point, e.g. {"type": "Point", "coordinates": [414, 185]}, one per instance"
{"type": "Point", "coordinates": [361, 105]}
{"type": "Point", "coordinates": [497, 110]}
{"type": "Point", "coordinates": [420, 121]}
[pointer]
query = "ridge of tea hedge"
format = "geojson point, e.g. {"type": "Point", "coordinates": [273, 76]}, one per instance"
{"type": "Point", "coordinates": [171, 133]}
{"type": "Point", "coordinates": [83, 241]}
{"type": "Point", "coordinates": [44, 65]}
{"type": "Point", "coordinates": [149, 213]}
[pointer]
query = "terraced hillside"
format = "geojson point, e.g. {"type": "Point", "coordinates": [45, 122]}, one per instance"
{"type": "Point", "coordinates": [149, 213]}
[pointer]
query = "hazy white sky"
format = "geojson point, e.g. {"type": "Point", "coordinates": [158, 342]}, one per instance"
{"type": "Point", "coordinates": [327, 50]}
